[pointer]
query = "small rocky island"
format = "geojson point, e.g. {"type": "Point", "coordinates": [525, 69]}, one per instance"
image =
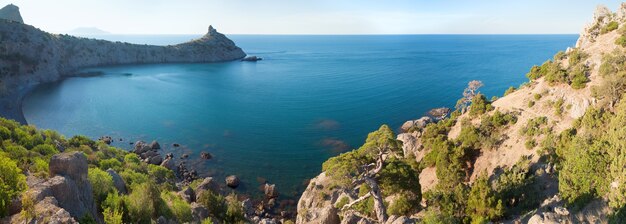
{"type": "Point", "coordinates": [30, 56]}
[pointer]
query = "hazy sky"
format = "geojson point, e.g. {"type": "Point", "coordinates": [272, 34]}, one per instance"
{"type": "Point", "coordinates": [312, 16]}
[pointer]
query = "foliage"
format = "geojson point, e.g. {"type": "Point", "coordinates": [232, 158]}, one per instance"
{"type": "Point", "coordinates": [509, 90]}
{"type": "Point", "coordinates": [534, 127]}
{"type": "Point", "coordinates": [215, 203]}
{"type": "Point", "coordinates": [401, 206]}
{"type": "Point", "coordinates": [12, 183]}
{"type": "Point", "coordinates": [180, 209]}
{"type": "Point", "coordinates": [482, 203]}
{"type": "Point", "coordinates": [479, 105]}
{"type": "Point", "coordinates": [101, 182]}
{"type": "Point", "coordinates": [613, 25]}
{"type": "Point", "coordinates": [143, 202]}
{"type": "Point", "coordinates": [111, 163]}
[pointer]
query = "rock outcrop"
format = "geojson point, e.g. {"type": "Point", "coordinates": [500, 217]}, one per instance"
{"type": "Point", "coordinates": [11, 13]}
{"type": "Point", "coordinates": [29, 56]}
{"type": "Point", "coordinates": [68, 191]}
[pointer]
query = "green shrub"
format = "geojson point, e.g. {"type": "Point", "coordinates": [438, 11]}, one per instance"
{"type": "Point", "coordinates": [79, 140]}
{"type": "Point", "coordinates": [180, 208]}
{"type": "Point", "coordinates": [111, 163]}
{"type": "Point", "coordinates": [530, 144]}
{"type": "Point", "coordinates": [613, 25]}
{"type": "Point", "coordinates": [621, 41]}
{"type": "Point", "coordinates": [45, 150]}
{"type": "Point", "coordinates": [531, 103]}
{"type": "Point", "coordinates": [160, 174]}
{"type": "Point", "coordinates": [342, 202]}
{"type": "Point", "coordinates": [537, 96]}
{"type": "Point", "coordinates": [215, 203]}
{"type": "Point", "coordinates": [576, 56]}
{"type": "Point", "coordinates": [143, 202]}
{"type": "Point", "coordinates": [534, 127]}
{"type": "Point", "coordinates": [101, 182]}
{"type": "Point", "coordinates": [583, 175]}
{"type": "Point", "coordinates": [131, 177]}
{"type": "Point", "coordinates": [234, 210]}
{"type": "Point", "coordinates": [482, 203]}
{"type": "Point", "coordinates": [509, 90]}
{"type": "Point", "coordinates": [39, 167]}
{"type": "Point", "coordinates": [12, 183]}
{"type": "Point", "coordinates": [558, 107]}
{"type": "Point", "coordinates": [401, 206]}
{"type": "Point", "coordinates": [480, 105]}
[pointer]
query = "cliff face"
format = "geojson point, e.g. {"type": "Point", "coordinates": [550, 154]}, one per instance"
{"type": "Point", "coordinates": [534, 100]}
{"type": "Point", "coordinates": [30, 56]}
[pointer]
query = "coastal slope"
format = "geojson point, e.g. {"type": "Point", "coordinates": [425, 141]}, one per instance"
{"type": "Point", "coordinates": [30, 56]}
{"type": "Point", "coordinates": [526, 157]}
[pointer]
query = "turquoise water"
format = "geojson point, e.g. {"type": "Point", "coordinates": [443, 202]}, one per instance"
{"type": "Point", "coordinates": [311, 98]}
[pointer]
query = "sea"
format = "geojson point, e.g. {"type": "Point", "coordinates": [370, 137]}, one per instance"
{"type": "Point", "coordinates": [277, 120]}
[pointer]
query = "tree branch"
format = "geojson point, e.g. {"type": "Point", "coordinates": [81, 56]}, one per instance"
{"type": "Point", "coordinates": [356, 201]}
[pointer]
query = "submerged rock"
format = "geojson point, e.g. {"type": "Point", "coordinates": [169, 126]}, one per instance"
{"type": "Point", "coordinates": [252, 58]}
{"type": "Point", "coordinates": [205, 155]}
{"type": "Point", "coordinates": [232, 181]}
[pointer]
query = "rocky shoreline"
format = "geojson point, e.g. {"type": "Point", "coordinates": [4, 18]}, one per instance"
{"type": "Point", "coordinates": [30, 56]}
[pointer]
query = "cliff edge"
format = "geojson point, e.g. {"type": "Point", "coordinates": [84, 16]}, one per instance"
{"type": "Point", "coordinates": [30, 56]}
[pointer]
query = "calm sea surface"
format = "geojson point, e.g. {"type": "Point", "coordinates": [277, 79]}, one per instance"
{"type": "Point", "coordinates": [312, 97]}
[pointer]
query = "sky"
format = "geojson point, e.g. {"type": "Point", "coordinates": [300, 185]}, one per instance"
{"type": "Point", "coordinates": [313, 16]}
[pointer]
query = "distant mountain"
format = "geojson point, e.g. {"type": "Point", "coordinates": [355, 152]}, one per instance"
{"type": "Point", "coordinates": [87, 31]}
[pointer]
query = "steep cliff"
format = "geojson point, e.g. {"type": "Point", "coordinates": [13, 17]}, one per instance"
{"type": "Point", "coordinates": [524, 136]}
{"type": "Point", "coordinates": [30, 56]}
{"type": "Point", "coordinates": [12, 13]}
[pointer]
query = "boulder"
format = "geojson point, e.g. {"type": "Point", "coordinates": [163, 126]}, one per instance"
{"type": "Point", "coordinates": [416, 124]}
{"type": "Point", "coordinates": [208, 184]}
{"type": "Point", "coordinates": [106, 139]}
{"type": "Point", "coordinates": [315, 209]}
{"type": "Point", "coordinates": [248, 209]}
{"type": "Point", "coordinates": [154, 145]}
{"type": "Point", "coordinates": [155, 160]}
{"type": "Point", "coordinates": [232, 181]}
{"type": "Point", "coordinates": [198, 212]}
{"type": "Point", "coordinates": [118, 182]}
{"type": "Point", "coordinates": [188, 194]}
{"type": "Point", "coordinates": [399, 220]}
{"type": "Point", "coordinates": [169, 163]}
{"type": "Point", "coordinates": [412, 144]}
{"type": "Point", "coordinates": [270, 191]}
{"type": "Point", "coordinates": [72, 165]}
{"type": "Point", "coordinates": [48, 211]}
{"type": "Point", "coordinates": [141, 147]}
{"type": "Point", "coordinates": [205, 155]}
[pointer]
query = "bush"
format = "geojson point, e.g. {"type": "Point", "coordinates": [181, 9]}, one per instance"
{"type": "Point", "coordinates": [215, 203]}
{"type": "Point", "coordinates": [534, 127]}
{"type": "Point", "coordinates": [111, 163]}
{"type": "Point", "coordinates": [401, 206]}
{"type": "Point", "coordinates": [45, 150]}
{"type": "Point", "coordinates": [613, 25]}
{"type": "Point", "coordinates": [342, 202]}
{"type": "Point", "coordinates": [479, 105]}
{"type": "Point", "coordinates": [12, 183]}
{"type": "Point", "coordinates": [583, 175]}
{"type": "Point", "coordinates": [530, 144]}
{"type": "Point", "coordinates": [101, 182]}
{"type": "Point", "coordinates": [180, 208]}
{"type": "Point", "coordinates": [621, 41]}
{"type": "Point", "coordinates": [509, 90]}
{"type": "Point", "coordinates": [531, 103]}
{"type": "Point", "coordinates": [558, 107]}
{"type": "Point", "coordinates": [143, 202]}
{"type": "Point", "coordinates": [482, 203]}
{"type": "Point", "coordinates": [160, 174]}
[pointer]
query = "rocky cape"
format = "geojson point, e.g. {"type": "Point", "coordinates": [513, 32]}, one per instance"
{"type": "Point", "coordinates": [30, 56]}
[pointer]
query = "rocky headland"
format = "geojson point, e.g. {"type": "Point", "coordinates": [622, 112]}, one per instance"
{"type": "Point", "coordinates": [30, 56]}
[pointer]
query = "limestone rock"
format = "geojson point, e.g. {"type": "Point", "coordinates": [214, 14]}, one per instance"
{"type": "Point", "coordinates": [156, 160]}
{"type": "Point", "coordinates": [72, 165]}
{"type": "Point", "coordinates": [48, 211]}
{"type": "Point", "coordinates": [118, 182]}
{"type": "Point", "coordinates": [315, 209]}
{"type": "Point", "coordinates": [208, 184]}
{"type": "Point", "coordinates": [270, 190]}
{"type": "Point", "coordinates": [70, 186]}
{"type": "Point", "coordinates": [12, 13]}
{"type": "Point", "coordinates": [169, 164]}
{"type": "Point", "coordinates": [411, 144]}
{"type": "Point", "coordinates": [416, 124]}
